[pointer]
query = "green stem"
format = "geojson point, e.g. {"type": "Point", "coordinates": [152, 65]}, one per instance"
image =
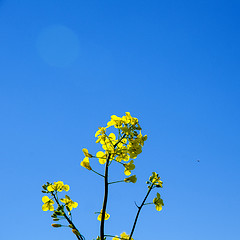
{"type": "Point", "coordinates": [106, 190]}
{"type": "Point", "coordinates": [97, 173]}
{"type": "Point", "coordinates": [116, 182]}
{"type": "Point", "coordinates": [105, 198]}
{"type": "Point", "coordinates": [148, 203]}
{"type": "Point", "coordinates": [139, 210]}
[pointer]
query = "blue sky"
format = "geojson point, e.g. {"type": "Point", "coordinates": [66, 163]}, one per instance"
{"type": "Point", "coordinates": [67, 66]}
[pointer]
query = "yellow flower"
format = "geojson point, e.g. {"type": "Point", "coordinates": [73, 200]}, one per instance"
{"type": "Point", "coordinates": [85, 163]}
{"type": "Point", "coordinates": [126, 130]}
{"type": "Point", "coordinates": [115, 121]}
{"type": "Point", "coordinates": [115, 238]}
{"type": "Point", "coordinates": [122, 236]}
{"type": "Point", "coordinates": [134, 148]}
{"type": "Point", "coordinates": [69, 202]}
{"type": "Point", "coordinates": [128, 167]}
{"type": "Point", "coordinates": [101, 157]}
{"type": "Point", "coordinates": [101, 130]}
{"type": "Point", "coordinates": [141, 139]}
{"type": "Point", "coordinates": [85, 151]}
{"type": "Point", "coordinates": [48, 204]}
{"type": "Point", "coordinates": [122, 154]}
{"type": "Point", "coordinates": [132, 179]}
{"type": "Point", "coordinates": [129, 119]}
{"type": "Point", "coordinates": [100, 216]}
{"type": "Point", "coordinates": [158, 202]}
{"type": "Point", "coordinates": [101, 134]}
{"type": "Point", "coordinates": [155, 179]}
{"type": "Point", "coordinates": [125, 236]}
{"type": "Point", "coordinates": [66, 187]}
{"type": "Point", "coordinates": [58, 186]}
{"type": "Point", "coordinates": [108, 143]}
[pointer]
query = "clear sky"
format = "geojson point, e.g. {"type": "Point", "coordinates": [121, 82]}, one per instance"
{"type": "Point", "coordinates": [67, 66]}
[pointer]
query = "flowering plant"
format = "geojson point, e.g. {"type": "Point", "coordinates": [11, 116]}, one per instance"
{"type": "Point", "coordinates": [122, 149]}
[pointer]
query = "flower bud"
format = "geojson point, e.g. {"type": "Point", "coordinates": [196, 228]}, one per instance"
{"type": "Point", "coordinates": [56, 225]}
{"type": "Point", "coordinates": [75, 231]}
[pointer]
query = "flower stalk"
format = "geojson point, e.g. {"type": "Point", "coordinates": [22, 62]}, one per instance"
{"type": "Point", "coordinates": [79, 236]}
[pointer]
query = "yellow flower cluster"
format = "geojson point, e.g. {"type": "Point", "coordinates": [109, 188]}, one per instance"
{"type": "Point", "coordinates": [53, 189]}
{"type": "Point", "coordinates": [58, 186]}
{"type": "Point", "coordinates": [122, 236]}
{"type": "Point", "coordinates": [126, 146]}
{"type": "Point", "coordinates": [155, 180]}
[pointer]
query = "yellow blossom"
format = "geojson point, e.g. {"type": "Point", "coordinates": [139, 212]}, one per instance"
{"type": "Point", "coordinates": [122, 154]}
{"type": "Point", "coordinates": [158, 202]}
{"type": "Point", "coordinates": [58, 186]}
{"type": "Point", "coordinates": [100, 216]}
{"type": "Point", "coordinates": [155, 179]}
{"type": "Point", "coordinates": [125, 236]}
{"type": "Point", "coordinates": [129, 119]}
{"type": "Point", "coordinates": [48, 204]}
{"type": "Point", "coordinates": [128, 167]}
{"type": "Point", "coordinates": [69, 202]}
{"type": "Point", "coordinates": [115, 121]}
{"type": "Point", "coordinates": [101, 157]}
{"type": "Point", "coordinates": [101, 134]}
{"type": "Point", "coordinates": [132, 179]}
{"type": "Point", "coordinates": [134, 148]}
{"type": "Point", "coordinates": [85, 151]}
{"type": "Point", "coordinates": [101, 130]}
{"type": "Point", "coordinates": [85, 163]}
{"type": "Point", "coordinates": [115, 238]}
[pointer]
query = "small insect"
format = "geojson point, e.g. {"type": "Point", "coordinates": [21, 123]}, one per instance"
{"type": "Point", "coordinates": [198, 160]}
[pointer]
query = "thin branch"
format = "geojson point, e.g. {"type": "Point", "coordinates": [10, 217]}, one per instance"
{"type": "Point", "coordinates": [97, 173]}
{"type": "Point", "coordinates": [139, 210]}
{"type": "Point", "coordinates": [116, 182]}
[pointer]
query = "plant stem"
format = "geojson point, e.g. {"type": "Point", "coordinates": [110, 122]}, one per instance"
{"type": "Point", "coordinates": [79, 237]}
{"type": "Point", "coordinates": [105, 198]}
{"type": "Point", "coordinates": [106, 190]}
{"type": "Point", "coordinates": [139, 209]}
